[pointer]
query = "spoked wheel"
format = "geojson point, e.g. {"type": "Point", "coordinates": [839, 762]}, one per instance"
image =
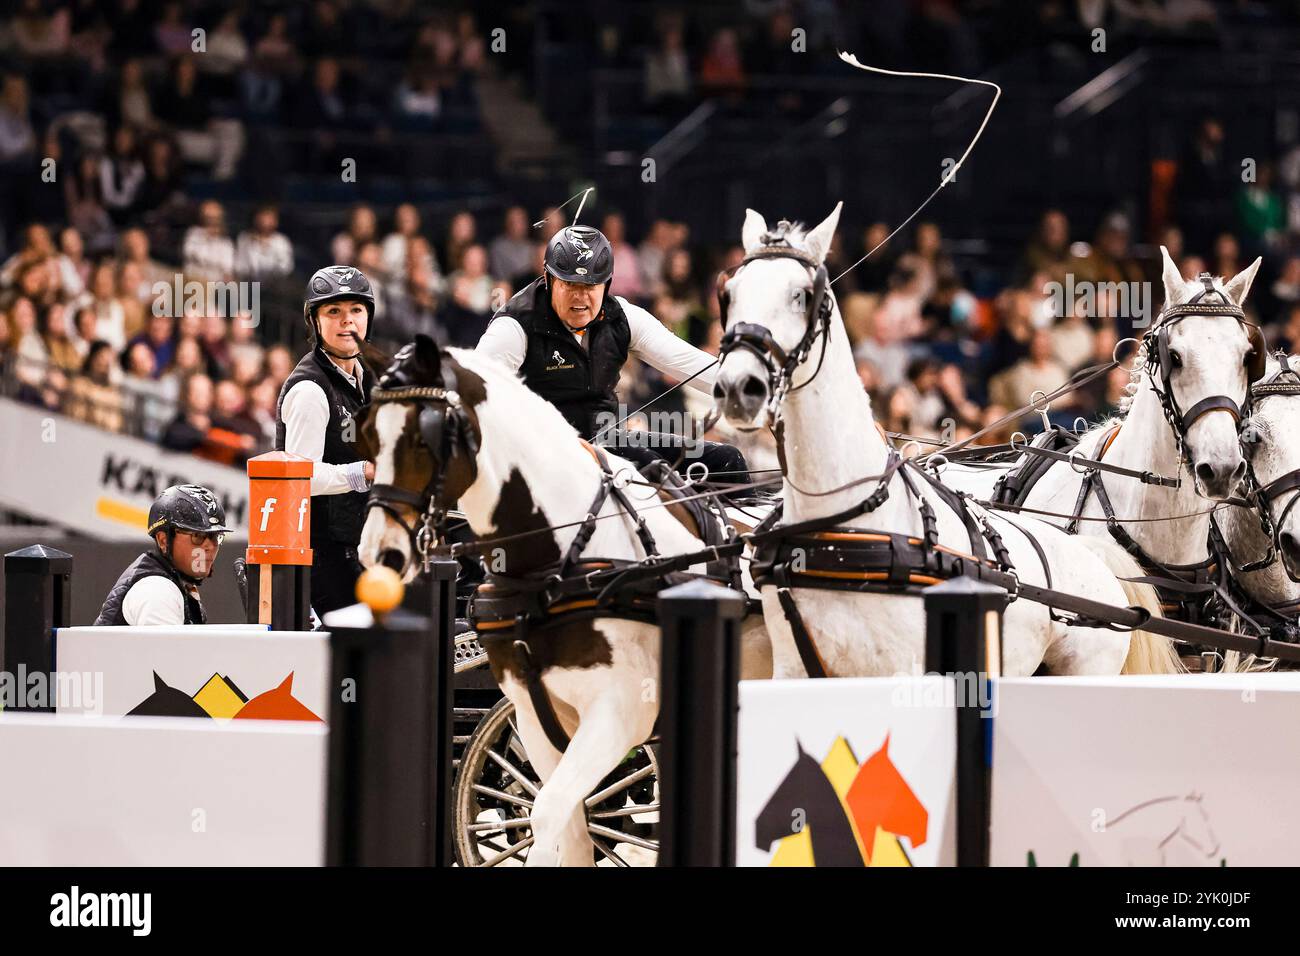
{"type": "Point", "coordinates": [496, 785]}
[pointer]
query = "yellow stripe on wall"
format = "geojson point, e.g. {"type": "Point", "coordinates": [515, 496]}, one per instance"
{"type": "Point", "coordinates": [116, 511]}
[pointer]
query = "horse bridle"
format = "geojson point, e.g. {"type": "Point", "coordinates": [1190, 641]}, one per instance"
{"type": "Point", "coordinates": [1285, 381]}
{"type": "Point", "coordinates": [1160, 365]}
{"type": "Point", "coordinates": [780, 364]}
{"type": "Point", "coordinates": [444, 429]}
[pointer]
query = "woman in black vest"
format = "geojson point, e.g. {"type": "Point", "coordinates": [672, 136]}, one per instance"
{"type": "Point", "coordinates": [569, 339]}
{"type": "Point", "coordinates": [315, 419]}
{"type": "Point", "coordinates": [188, 524]}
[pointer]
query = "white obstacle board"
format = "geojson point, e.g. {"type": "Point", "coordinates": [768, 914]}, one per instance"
{"type": "Point", "coordinates": [114, 669]}
{"type": "Point", "coordinates": [143, 791]}
{"type": "Point", "coordinates": [822, 761]}
{"type": "Point", "coordinates": [1196, 770]}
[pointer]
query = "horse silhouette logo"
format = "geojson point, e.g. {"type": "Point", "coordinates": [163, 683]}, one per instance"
{"type": "Point", "coordinates": [221, 697]}
{"type": "Point", "coordinates": [837, 813]}
{"type": "Point", "coordinates": [559, 359]}
{"type": "Point", "coordinates": [1166, 831]}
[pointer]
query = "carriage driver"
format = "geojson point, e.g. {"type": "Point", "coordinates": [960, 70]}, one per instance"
{"type": "Point", "coordinates": [187, 524]}
{"type": "Point", "coordinates": [569, 339]}
{"type": "Point", "coordinates": [315, 419]}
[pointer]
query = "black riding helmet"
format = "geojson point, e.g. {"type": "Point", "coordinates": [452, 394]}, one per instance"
{"type": "Point", "coordinates": [580, 254]}
{"type": "Point", "coordinates": [332, 284]}
{"type": "Point", "coordinates": [187, 508]}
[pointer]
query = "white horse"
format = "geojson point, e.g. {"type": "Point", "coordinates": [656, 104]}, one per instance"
{"type": "Point", "coordinates": [1208, 357]}
{"type": "Point", "coordinates": [532, 475]}
{"type": "Point", "coordinates": [1274, 455]}
{"type": "Point", "coordinates": [828, 437]}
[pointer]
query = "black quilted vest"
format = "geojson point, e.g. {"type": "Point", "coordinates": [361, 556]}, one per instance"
{"type": "Point", "coordinates": [579, 382]}
{"type": "Point", "coordinates": [333, 517]}
{"type": "Point", "coordinates": [149, 564]}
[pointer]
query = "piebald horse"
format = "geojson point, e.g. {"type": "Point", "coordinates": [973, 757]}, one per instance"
{"type": "Point", "coordinates": [829, 439]}
{"type": "Point", "coordinates": [522, 476]}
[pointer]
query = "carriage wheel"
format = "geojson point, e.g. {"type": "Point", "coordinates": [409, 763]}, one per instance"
{"type": "Point", "coordinates": [494, 792]}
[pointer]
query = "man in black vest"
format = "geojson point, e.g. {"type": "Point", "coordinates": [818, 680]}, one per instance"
{"type": "Point", "coordinates": [569, 339]}
{"type": "Point", "coordinates": [188, 524]}
{"type": "Point", "coordinates": [315, 418]}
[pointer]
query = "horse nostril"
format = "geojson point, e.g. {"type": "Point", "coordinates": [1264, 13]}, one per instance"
{"type": "Point", "coordinates": [1205, 473]}
{"type": "Point", "coordinates": [1290, 548]}
{"type": "Point", "coordinates": [719, 393]}
{"type": "Point", "coordinates": [754, 387]}
{"type": "Point", "coordinates": [1238, 473]}
{"type": "Point", "coordinates": [393, 559]}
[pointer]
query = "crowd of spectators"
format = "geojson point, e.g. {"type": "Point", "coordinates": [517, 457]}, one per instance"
{"type": "Point", "coordinates": [85, 330]}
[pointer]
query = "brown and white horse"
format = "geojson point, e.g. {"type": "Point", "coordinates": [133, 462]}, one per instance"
{"type": "Point", "coordinates": [521, 469]}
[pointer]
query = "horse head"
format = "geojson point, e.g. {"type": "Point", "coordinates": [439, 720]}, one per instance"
{"type": "Point", "coordinates": [776, 306]}
{"type": "Point", "coordinates": [421, 431]}
{"type": "Point", "coordinates": [785, 812]}
{"type": "Point", "coordinates": [1202, 355]}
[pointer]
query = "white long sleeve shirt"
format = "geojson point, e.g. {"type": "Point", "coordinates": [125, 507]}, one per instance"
{"type": "Point", "coordinates": [306, 414]}
{"type": "Point", "coordinates": [651, 342]}
{"type": "Point", "coordinates": [155, 600]}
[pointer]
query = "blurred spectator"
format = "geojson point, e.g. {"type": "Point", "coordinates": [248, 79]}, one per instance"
{"type": "Point", "coordinates": [1260, 211]}
{"type": "Point", "coordinates": [133, 102]}
{"type": "Point", "coordinates": [472, 284]}
{"type": "Point", "coordinates": [135, 251]}
{"type": "Point", "coordinates": [84, 202]}
{"type": "Point", "coordinates": [93, 396]}
{"type": "Point", "coordinates": [511, 253]}
{"type": "Point", "coordinates": [668, 71]}
{"type": "Point", "coordinates": [58, 340]}
{"type": "Point", "coordinates": [172, 33]}
{"type": "Point", "coordinates": [189, 429]}
{"type": "Point", "coordinates": [121, 176]}
{"type": "Point", "coordinates": [149, 399]}
{"type": "Point", "coordinates": [203, 139]}
{"type": "Point", "coordinates": [208, 253]}
{"type": "Point", "coordinates": [110, 318]}
{"type": "Point", "coordinates": [162, 177]}
{"type": "Point", "coordinates": [362, 228]}
{"type": "Point", "coordinates": [227, 48]}
{"type": "Point", "coordinates": [17, 138]}
{"type": "Point", "coordinates": [1049, 251]}
{"type": "Point", "coordinates": [721, 71]}
{"type": "Point", "coordinates": [872, 274]}
{"type": "Point", "coordinates": [264, 252]}
{"type": "Point", "coordinates": [1040, 371]}
{"type": "Point", "coordinates": [397, 244]}
{"type": "Point", "coordinates": [157, 338]}
{"type": "Point", "coordinates": [627, 268]}
{"type": "Point", "coordinates": [651, 253]}
{"type": "Point", "coordinates": [1205, 180]}
{"type": "Point", "coordinates": [460, 236]}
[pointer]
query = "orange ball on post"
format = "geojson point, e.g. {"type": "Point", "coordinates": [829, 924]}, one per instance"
{"type": "Point", "coordinates": [380, 588]}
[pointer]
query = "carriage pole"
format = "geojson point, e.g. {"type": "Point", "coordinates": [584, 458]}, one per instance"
{"type": "Point", "coordinates": [963, 640]}
{"type": "Point", "coordinates": [38, 600]}
{"type": "Point", "coordinates": [698, 701]}
{"type": "Point", "coordinates": [390, 725]}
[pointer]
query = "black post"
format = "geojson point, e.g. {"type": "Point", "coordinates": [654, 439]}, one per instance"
{"type": "Point", "coordinates": [963, 640]}
{"type": "Point", "coordinates": [289, 595]}
{"type": "Point", "coordinates": [38, 599]}
{"type": "Point", "coordinates": [698, 696]}
{"type": "Point", "coordinates": [389, 784]}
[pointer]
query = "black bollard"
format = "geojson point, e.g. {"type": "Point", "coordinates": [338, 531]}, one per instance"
{"type": "Point", "coordinates": [963, 639]}
{"type": "Point", "coordinates": [389, 784]}
{"type": "Point", "coordinates": [38, 599]}
{"type": "Point", "coordinates": [698, 695]}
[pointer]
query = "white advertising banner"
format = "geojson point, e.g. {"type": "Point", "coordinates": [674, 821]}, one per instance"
{"type": "Point", "coordinates": [161, 792]}
{"type": "Point", "coordinates": [101, 484]}
{"type": "Point", "coordinates": [849, 772]}
{"type": "Point", "coordinates": [1196, 770]}
{"type": "Point", "coordinates": [213, 671]}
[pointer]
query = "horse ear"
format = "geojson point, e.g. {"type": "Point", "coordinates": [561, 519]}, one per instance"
{"type": "Point", "coordinates": [427, 352]}
{"type": "Point", "coordinates": [819, 240]}
{"type": "Point", "coordinates": [1173, 279]}
{"type": "Point", "coordinates": [1239, 285]}
{"type": "Point", "coordinates": [751, 233]}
